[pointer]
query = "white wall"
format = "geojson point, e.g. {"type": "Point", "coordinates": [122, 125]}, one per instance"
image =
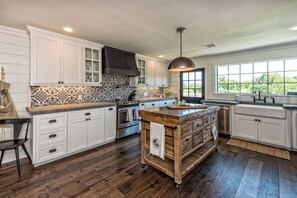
{"type": "Point", "coordinates": [267, 53]}
{"type": "Point", "coordinates": [14, 57]}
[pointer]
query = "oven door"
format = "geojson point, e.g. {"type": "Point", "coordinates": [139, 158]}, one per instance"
{"type": "Point", "coordinates": [123, 117]}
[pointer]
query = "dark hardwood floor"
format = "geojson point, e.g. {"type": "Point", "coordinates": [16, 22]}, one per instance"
{"type": "Point", "coordinates": [114, 170]}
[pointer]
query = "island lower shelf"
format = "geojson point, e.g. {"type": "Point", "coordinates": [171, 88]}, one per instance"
{"type": "Point", "coordinates": [188, 139]}
{"type": "Point", "coordinates": [167, 166]}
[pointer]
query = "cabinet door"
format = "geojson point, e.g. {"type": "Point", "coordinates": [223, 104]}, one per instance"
{"type": "Point", "coordinates": [171, 102]}
{"type": "Point", "coordinates": [141, 65]}
{"type": "Point", "coordinates": [161, 74]}
{"type": "Point", "coordinates": [294, 129]}
{"type": "Point", "coordinates": [77, 135]}
{"type": "Point", "coordinates": [46, 59]}
{"type": "Point", "coordinates": [71, 66]}
{"type": "Point", "coordinates": [151, 104]}
{"type": "Point", "coordinates": [245, 127]}
{"type": "Point", "coordinates": [150, 72]}
{"type": "Point", "coordinates": [110, 124]}
{"type": "Point", "coordinates": [272, 131]}
{"type": "Point", "coordinates": [95, 130]}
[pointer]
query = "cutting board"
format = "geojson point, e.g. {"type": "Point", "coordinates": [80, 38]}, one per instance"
{"type": "Point", "coordinates": [186, 107]}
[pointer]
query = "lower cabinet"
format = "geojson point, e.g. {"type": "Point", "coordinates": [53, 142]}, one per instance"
{"type": "Point", "coordinates": [59, 134]}
{"type": "Point", "coordinates": [294, 129]}
{"type": "Point", "coordinates": [266, 130]}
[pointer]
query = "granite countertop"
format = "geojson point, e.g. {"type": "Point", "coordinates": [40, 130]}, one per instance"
{"type": "Point", "coordinates": [182, 112]}
{"type": "Point", "coordinates": [67, 107]}
{"type": "Point", "coordinates": [290, 106]}
{"type": "Point", "coordinates": [154, 99]}
{"type": "Point", "coordinates": [230, 102]}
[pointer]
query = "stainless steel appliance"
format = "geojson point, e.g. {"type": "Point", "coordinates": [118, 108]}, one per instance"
{"type": "Point", "coordinates": [223, 118]}
{"type": "Point", "coordinates": [127, 118]}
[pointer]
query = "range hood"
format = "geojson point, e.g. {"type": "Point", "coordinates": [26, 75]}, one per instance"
{"type": "Point", "coordinates": [117, 61]}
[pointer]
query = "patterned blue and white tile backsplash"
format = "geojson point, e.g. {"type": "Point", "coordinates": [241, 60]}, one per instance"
{"type": "Point", "coordinates": [113, 86]}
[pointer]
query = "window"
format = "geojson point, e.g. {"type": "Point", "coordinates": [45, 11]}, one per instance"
{"type": "Point", "coordinates": [192, 86]}
{"type": "Point", "coordinates": [271, 77]}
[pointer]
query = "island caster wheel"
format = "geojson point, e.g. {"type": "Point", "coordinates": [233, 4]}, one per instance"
{"type": "Point", "coordinates": [177, 186]}
{"type": "Point", "coordinates": [142, 165]}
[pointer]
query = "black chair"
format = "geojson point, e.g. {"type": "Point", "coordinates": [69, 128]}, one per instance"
{"type": "Point", "coordinates": [16, 141]}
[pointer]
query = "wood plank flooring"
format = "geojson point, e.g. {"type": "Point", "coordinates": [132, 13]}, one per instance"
{"type": "Point", "coordinates": [114, 170]}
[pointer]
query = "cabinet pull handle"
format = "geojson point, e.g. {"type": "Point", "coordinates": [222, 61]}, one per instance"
{"type": "Point", "coordinates": [110, 109]}
{"type": "Point", "coordinates": [52, 135]}
{"type": "Point", "coordinates": [52, 150]}
{"type": "Point", "coordinates": [87, 114]}
{"type": "Point", "coordinates": [52, 121]}
{"type": "Point", "coordinates": [165, 102]}
{"type": "Point", "coordinates": [153, 104]}
{"type": "Point", "coordinates": [259, 120]}
{"type": "Point", "coordinates": [142, 104]}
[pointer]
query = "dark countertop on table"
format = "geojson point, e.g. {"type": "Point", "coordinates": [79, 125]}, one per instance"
{"type": "Point", "coordinates": [67, 107]}
{"type": "Point", "coordinates": [180, 113]}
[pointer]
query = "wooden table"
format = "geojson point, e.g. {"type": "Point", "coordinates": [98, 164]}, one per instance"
{"type": "Point", "coordinates": [188, 139]}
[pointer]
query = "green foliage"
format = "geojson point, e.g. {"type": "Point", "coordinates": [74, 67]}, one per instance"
{"type": "Point", "coordinates": [275, 83]}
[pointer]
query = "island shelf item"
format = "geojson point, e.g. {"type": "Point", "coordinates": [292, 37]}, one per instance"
{"type": "Point", "coordinates": [188, 139]}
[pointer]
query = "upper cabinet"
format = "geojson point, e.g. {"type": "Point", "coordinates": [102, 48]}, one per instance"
{"type": "Point", "coordinates": [152, 72]}
{"type": "Point", "coordinates": [162, 74]}
{"type": "Point", "coordinates": [92, 65]}
{"type": "Point", "coordinates": [57, 59]}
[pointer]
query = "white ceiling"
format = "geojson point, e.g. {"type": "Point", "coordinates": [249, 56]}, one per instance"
{"type": "Point", "coordinates": [148, 26]}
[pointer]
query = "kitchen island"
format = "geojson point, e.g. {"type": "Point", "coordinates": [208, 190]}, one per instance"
{"type": "Point", "coordinates": [188, 139]}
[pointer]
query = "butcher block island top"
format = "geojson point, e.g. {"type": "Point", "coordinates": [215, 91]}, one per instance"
{"type": "Point", "coordinates": [188, 138]}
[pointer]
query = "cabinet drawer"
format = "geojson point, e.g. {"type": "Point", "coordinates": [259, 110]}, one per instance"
{"type": "Point", "coordinates": [187, 129]}
{"type": "Point", "coordinates": [213, 118]}
{"type": "Point", "coordinates": [53, 136]}
{"type": "Point", "coordinates": [206, 120]}
{"type": "Point", "coordinates": [186, 144]}
{"type": "Point", "coordinates": [76, 115]}
{"type": "Point", "coordinates": [198, 139]}
{"type": "Point", "coordinates": [207, 133]}
{"type": "Point", "coordinates": [51, 121]}
{"type": "Point", "coordinates": [198, 124]}
{"type": "Point", "coordinates": [51, 152]}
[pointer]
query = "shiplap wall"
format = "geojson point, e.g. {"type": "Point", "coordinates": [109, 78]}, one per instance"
{"type": "Point", "coordinates": [263, 54]}
{"type": "Point", "coordinates": [14, 57]}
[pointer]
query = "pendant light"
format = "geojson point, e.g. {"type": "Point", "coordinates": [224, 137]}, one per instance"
{"type": "Point", "coordinates": [181, 63]}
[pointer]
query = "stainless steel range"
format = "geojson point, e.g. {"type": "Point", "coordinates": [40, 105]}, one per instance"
{"type": "Point", "coordinates": [127, 118]}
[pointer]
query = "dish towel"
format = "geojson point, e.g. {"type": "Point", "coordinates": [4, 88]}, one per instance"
{"type": "Point", "coordinates": [129, 115]}
{"type": "Point", "coordinates": [135, 114]}
{"type": "Point", "coordinates": [214, 132]}
{"type": "Point", "coordinates": [157, 139]}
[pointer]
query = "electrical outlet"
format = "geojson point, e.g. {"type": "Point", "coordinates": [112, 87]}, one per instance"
{"type": "Point", "coordinates": [145, 94]}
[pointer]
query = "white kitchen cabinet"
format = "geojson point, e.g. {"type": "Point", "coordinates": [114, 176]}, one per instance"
{"type": "Point", "coordinates": [272, 131]}
{"type": "Point", "coordinates": [266, 130]}
{"type": "Point", "coordinates": [49, 137]}
{"type": "Point", "coordinates": [77, 135]}
{"type": "Point", "coordinates": [57, 59]}
{"type": "Point", "coordinates": [95, 130]}
{"type": "Point", "coordinates": [164, 103]}
{"type": "Point", "coordinates": [162, 74]}
{"type": "Point", "coordinates": [92, 65]}
{"type": "Point", "coordinates": [45, 59]}
{"type": "Point", "coordinates": [71, 66]}
{"type": "Point", "coordinates": [85, 129]}
{"type": "Point", "coordinates": [141, 65]}
{"type": "Point", "coordinates": [246, 127]}
{"type": "Point", "coordinates": [110, 124]}
{"type": "Point", "coordinates": [294, 129]}
{"type": "Point", "coordinates": [153, 104]}
{"type": "Point", "coordinates": [150, 72]}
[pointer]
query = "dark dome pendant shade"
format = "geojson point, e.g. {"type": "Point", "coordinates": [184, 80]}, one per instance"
{"type": "Point", "coordinates": [181, 63]}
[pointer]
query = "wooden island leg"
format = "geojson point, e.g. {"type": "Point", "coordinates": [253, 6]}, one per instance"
{"type": "Point", "coordinates": [143, 142]}
{"type": "Point", "coordinates": [177, 157]}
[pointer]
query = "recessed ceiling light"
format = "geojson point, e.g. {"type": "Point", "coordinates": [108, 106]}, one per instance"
{"type": "Point", "coordinates": [68, 29]}
{"type": "Point", "coordinates": [161, 56]}
{"type": "Point", "coordinates": [294, 28]}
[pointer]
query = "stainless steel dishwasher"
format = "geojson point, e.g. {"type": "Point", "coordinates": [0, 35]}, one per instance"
{"type": "Point", "coordinates": [223, 118]}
